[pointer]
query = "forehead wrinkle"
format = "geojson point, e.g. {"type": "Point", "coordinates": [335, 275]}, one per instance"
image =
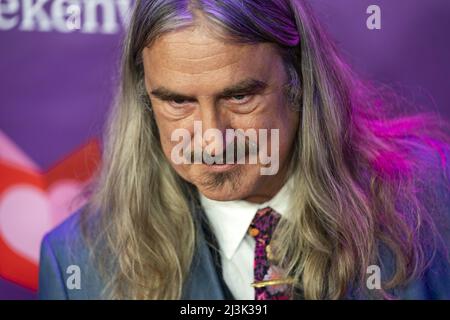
{"type": "Point", "coordinates": [197, 53]}
{"type": "Point", "coordinates": [200, 58]}
{"type": "Point", "coordinates": [200, 65]}
{"type": "Point", "coordinates": [190, 42]}
{"type": "Point", "coordinates": [219, 56]}
{"type": "Point", "coordinates": [192, 72]}
{"type": "Point", "coordinates": [195, 39]}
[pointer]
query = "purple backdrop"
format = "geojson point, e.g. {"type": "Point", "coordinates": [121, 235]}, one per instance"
{"type": "Point", "coordinates": [56, 87]}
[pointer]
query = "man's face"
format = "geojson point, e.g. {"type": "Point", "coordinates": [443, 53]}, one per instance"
{"type": "Point", "coordinates": [192, 76]}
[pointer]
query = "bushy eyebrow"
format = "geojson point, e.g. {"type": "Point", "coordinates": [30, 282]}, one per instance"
{"type": "Point", "coordinates": [245, 86]}
{"type": "Point", "coordinates": [248, 86]}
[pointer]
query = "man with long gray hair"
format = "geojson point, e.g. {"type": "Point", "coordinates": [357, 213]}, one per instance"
{"type": "Point", "coordinates": [245, 160]}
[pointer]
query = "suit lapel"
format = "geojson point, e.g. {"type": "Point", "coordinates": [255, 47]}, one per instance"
{"type": "Point", "coordinates": [203, 281]}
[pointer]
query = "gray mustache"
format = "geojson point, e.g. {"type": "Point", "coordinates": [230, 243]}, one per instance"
{"type": "Point", "coordinates": [233, 152]}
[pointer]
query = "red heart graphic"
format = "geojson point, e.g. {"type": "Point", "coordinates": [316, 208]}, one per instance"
{"type": "Point", "coordinates": [32, 203]}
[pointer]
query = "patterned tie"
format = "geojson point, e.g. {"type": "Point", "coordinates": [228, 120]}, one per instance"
{"type": "Point", "coordinates": [261, 229]}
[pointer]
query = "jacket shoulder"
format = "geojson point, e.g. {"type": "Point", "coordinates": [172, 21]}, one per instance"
{"type": "Point", "coordinates": [432, 182]}
{"type": "Point", "coordinates": [67, 268]}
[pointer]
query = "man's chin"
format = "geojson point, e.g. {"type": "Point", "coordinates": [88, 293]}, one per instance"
{"type": "Point", "coordinates": [226, 191]}
{"type": "Point", "coordinates": [236, 183]}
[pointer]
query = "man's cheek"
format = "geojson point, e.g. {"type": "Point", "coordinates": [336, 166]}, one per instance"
{"type": "Point", "coordinates": [167, 146]}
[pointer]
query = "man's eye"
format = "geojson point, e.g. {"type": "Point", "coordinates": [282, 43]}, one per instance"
{"type": "Point", "coordinates": [179, 102]}
{"type": "Point", "coordinates": [240, 98]}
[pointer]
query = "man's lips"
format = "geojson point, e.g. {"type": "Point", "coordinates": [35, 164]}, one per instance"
{"type": "Point", "coordinates": [219, 167]}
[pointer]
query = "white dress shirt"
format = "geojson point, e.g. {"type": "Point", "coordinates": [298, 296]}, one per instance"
{"type": "Point", "coordinates": [229, 221]}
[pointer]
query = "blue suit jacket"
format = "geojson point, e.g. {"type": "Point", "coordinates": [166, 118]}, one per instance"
{"type": "Point", "coordinates": [65, 246]}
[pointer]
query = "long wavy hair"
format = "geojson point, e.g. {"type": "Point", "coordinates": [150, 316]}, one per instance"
{"type": "Point", "coordinates": [353, 166]}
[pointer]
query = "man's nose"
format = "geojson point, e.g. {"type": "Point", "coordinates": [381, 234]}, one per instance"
{"type": "Point", "coordinates": [211, 119]}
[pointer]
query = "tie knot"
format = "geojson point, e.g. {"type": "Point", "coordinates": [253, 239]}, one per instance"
{"type": "Point", "coordinates": [264, 223]}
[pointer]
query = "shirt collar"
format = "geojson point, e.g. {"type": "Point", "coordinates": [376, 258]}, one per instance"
{"type": "Point", "coordinates": [230, 219]}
